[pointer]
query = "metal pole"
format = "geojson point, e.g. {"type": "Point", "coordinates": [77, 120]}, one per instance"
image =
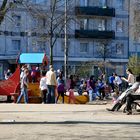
{"type": "Point", "coordinates": [66, 47]}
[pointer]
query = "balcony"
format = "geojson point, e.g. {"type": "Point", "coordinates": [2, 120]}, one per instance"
{"type": "Point", "coordinates": [94, 11]}
{"type": "Point", "coordinates": [94, 34]}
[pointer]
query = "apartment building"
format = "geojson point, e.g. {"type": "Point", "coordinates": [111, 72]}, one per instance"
{"type": "Point", "coordinates": [134, 32]}
{"type": "Point", "coordinates": [95, 24]}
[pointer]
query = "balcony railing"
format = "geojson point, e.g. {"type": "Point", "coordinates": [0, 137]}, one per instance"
{"type": "Point", "coordinates": [94, 11]}
{"type": "Point", "coordinates": [94, 34]}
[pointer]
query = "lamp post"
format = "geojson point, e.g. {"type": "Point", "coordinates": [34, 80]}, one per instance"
{"type": "Point", "coordinates": [66, 47]}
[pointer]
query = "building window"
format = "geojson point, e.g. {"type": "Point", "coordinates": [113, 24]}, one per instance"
{"type": "Point", "coordinates": [17, 20]}
{"type": "Point", "coordinates": [102, 25]}
{"type": "Point", "coordinates": [42, 22]}
{"type": "Point", "coordinates": [119, 26]}
{"type": "Point", "coordinates": [83, 24]}
{"type": "Point", "coordinates": [83, 2]}
{"type": "Point", "coordinates": [103, 3]}
{"type": "Point", "coordinates": [16, 45]}
{"type": "Point", "coordinates": [119, 48]}
{"type": "Point", "coordinates": [119, 70]}
{"type": "Point", "coordinates": [83, 47]}
{"type": "Point", "coordinates": [41, 46]}
{"type": "Point", "coordinates": [39, 1]}
{"type": "Point", "coordinates": [120, 4]}
{"type": "Point", "coordinates": [103, 50]}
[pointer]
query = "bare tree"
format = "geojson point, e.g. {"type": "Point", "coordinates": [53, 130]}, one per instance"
{"type": "Point", "coordinates": [53, 16]}
{"type": "Point", "coordinates": [134, 64]}
{"type": "Point", "coordinates": [135, 19]}
{"type": "Point", "coordinates": [5, 6]}
{"type": "Point", "coordinates": [96, 67]}
{"type": "Point", "coordinates": [104, 52]}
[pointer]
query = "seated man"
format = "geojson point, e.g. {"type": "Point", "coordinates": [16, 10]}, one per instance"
{"type": "Point", "coordinates": [121, 99]}
{"type": "Point", "coordinates": [129, 100]}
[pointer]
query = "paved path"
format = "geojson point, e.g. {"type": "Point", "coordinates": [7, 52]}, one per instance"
{"type": "Point", "coordinates": [66, 122]}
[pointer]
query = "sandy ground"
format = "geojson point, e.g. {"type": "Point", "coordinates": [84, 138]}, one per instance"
{"type": "Point", "coordinates": [66, 122]}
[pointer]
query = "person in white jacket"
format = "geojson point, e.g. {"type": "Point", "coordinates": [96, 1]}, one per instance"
{"type": "Point", "coordinates": [43, 87]}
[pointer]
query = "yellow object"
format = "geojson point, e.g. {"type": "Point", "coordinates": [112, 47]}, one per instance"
{"type": "Point", "coordinates": [81, 99]}
{"type": "Point", "coordinates": [34, 94]}
{"type": "Point", "coordinates": [34, 89]}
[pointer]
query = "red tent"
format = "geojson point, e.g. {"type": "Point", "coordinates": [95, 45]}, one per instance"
{"type": "Point", "coordinates": [10, 85]}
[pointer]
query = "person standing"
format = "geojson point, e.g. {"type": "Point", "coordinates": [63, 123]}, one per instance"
{"type": "Point", "coordinates": [33, 74]}
{"type": "Point", "coordinates": [51, 84]}
{"type": "Point", "coordinates": [60, 87]}
{"type": "Point", "coordinates": [72, 82]}
{"type": "Point", "coordinates": [91, 87]}
{"type": "Point", "coordinates": [101, 89]}
{"type": "Point", "coordinates": [43, 87]}
{"type": "Point", "coordinates": [130, 80]}
{"type": "Point", "coordinates": [24, 86]}
{"type": "Point", "coordinates": [111, 81]}
{"type": "Point", "coordinates": [118, 82]}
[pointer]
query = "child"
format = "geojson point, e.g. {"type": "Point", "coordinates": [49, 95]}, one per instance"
{"type": "Point", "coordinates": [43, 86]}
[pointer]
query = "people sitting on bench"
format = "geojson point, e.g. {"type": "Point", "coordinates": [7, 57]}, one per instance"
{"type": "Point", "coordinates": [130, 99]}
{"type": "Point", "coordinates": [122, 98]}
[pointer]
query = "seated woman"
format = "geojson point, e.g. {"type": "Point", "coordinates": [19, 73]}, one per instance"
{"type": "Point", "coordinates": [83, 87]}
{"type": "Point", "coordinates": [122, 98]}
{"type": "Point", "coordinates": [130, 99]}
{"type": "Point", "coordinates": [101, 89]}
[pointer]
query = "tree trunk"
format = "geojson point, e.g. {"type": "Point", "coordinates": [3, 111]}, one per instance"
{"type": "Point", "coordinates": [51, 50]}
{"type": "Point", "coordinates": [51, 55]}
{"type": "Point", "coordinates": [3, 10]}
